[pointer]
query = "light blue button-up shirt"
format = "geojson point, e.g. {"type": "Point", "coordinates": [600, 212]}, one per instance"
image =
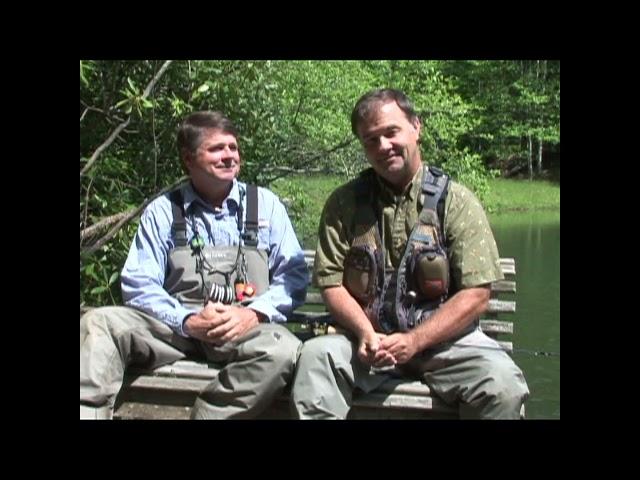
{"type": "Point", "coordinates": [144, 271]}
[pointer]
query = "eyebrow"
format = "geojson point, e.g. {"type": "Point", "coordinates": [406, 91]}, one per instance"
{"type": "Point", "coordinates": [218, 144]}
{"type": "Point", "coordinates": [379, 131]}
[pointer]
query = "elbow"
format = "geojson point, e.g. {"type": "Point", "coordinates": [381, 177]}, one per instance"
{"type": "Point", "coordinates": [480, 299]}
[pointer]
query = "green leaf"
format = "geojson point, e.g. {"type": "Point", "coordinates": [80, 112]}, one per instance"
{"type": "Point", "coordinates": [203, 88]}
{"type": "Point", "coordinates": [131, 84]}
{"type": "Point", "coordinates": [113, 278]}
{"type": "Point", "coordinates": [90, 270]}
{"type": "Point", "coordinates": [99, 289]}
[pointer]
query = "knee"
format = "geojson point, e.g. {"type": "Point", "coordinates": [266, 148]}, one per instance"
{"type": "Point", "coordinates": [325, 349]}
{"type": "Point", "coordinates": [112, 321]}
{"type": "Point", "coordinates": [97, 320]}
{"type": "Point", "coordinates": [283, 346]}
{"type": "Point", "coordinates": [506, 387]}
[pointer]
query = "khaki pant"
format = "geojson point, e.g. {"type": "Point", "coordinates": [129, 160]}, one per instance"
{"type": "Point", "coordinates": [482, 382]}
{"type": "Point", "coordinates": [257, 366]}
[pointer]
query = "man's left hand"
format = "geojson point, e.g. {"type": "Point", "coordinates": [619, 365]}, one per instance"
{"type": "Point", "coordinates": [235, 321]}
{"type": "Point", "coordinates": [401, 345]}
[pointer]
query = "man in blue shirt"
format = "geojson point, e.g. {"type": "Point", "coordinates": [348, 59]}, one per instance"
{"type": "Point", "coordinates": [213, 270]}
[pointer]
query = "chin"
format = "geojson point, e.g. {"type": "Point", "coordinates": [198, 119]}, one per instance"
{"type": "Point", "coordinates": [225, 174]}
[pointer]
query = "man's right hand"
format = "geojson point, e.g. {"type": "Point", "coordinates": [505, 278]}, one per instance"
{"type": "Point", "coordinates": [370, 352]}
{"type": "Point", "coordinates": [198, 324]}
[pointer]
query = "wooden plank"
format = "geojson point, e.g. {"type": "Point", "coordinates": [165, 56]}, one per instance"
{"type": "Point", "coordinates": [404, 387]}
{"type": "Point", "coordinates": [501, 306]}
{"type": "Point", "coordinates": [147, 411]}
{"type": "Point", "coordinates": [188, 385]}
{"type": "Point", "coordinates": [182, 369]}
{"type": "Point", "coordinates": [508, 269]}
{"type": "Point", "coordinates": [502, 286]}
{"type": "Point", "coordinates": [359, 412]}
{"type": "Point", "coordinates": [379, 400]}
{"type": "Point", "coordinates": [280, 410]}
{"type": "Point", "coordinates": [487, 325]}
{"type": "Point", "coordinates": [496, 326]}
{"type": "Point", "coordinates": [495, 306]}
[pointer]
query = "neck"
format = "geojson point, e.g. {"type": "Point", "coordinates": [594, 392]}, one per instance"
{"type": "Point", "coordinates": [213, 193]}
{"type": "Point", "coordinates": [401, 185]}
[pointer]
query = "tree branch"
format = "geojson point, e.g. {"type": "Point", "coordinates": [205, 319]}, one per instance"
{"type": "Point", "coordinates": [102, 224]}
{"type": "Point", "coordinates": [305, 163]}
{"type": "Point", "coordinates": [121, 127]}
{"type": "Point", "coordinates": [126, 217]}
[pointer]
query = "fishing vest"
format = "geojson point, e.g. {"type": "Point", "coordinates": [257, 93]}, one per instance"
{"type": "Point", "coordinates": [399, 300]}
{"type": "Point", "coordinates": [197, 273]}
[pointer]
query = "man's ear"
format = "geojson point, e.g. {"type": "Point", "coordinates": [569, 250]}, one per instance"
{"type": "Point", "coordinates": [417, 125]}
{"type": "Point", "coordinates": [186, 158]}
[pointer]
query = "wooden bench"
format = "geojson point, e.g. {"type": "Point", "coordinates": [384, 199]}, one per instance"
{"type": "Point", "coordinates": [169, 391]}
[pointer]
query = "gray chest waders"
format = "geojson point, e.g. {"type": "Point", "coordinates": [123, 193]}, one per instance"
{"type": "Point", "coordinates": [197, 273]}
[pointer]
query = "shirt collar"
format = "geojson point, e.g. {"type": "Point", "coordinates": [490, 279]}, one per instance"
{"type": "Point", "coordinates": [411, 191]}
{"type": "Point", "coordinates": [190, 196]}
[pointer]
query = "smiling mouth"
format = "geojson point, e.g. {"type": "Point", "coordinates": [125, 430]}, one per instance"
{"type": "Point", "coordinates": [226, 165]}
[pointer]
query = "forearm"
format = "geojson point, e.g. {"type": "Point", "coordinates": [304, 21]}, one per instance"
{"type": "Point", "coordinates": [452, 318]}
{"type": "Point", "coordinates": [286, 291]}
{"type": "Point", "coordinates": [346, 311]}
{"type": "Point", "coordinates": [154, 300]}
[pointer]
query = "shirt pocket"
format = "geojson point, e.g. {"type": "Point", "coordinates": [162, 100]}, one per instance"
{"type": "Point", "coordinates": [264, 234]}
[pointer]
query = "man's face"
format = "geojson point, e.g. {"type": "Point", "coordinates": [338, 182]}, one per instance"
{"type": "Point", "coordinates": [390, 143]}
{"type": "Point", "coordinates": [217, 157]}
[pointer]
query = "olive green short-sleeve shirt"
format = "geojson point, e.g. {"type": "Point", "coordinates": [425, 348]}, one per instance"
{"type": "Point", "coordinates": [472, 250]}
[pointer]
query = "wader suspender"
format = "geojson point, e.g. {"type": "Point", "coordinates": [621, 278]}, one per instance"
{"type": "Point", "coordinates": [179, 225]}
{"type": "Point", "coordinates": [250, 235]}
{"type": "Point", "coordinates": [435, 185]}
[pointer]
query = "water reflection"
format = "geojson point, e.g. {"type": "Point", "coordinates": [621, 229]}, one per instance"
{"type": "Point", "coordinates": [533, 239]}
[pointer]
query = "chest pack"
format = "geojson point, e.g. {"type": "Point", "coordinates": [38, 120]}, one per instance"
{"type": "Point", "coordinates": [398, 300]}
{"type": "Point", "coordinates": [198, 273]}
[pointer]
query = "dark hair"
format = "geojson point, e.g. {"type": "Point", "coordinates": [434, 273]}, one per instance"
{"type": "Point", "coordinates": [193, 126]}
{"type": "Point", "coordinates": [370, 102]}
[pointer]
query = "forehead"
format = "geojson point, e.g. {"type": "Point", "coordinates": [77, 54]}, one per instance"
{"type": "Point", "coordinates": [383, 116]}
{"type": "Point", "coordinates": [215, 135]}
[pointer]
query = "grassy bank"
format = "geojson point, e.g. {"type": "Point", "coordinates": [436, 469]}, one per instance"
{"type": "Point", "coordinates": [306, 195]}
{"type": "Point", "coordinates": [512, 195]}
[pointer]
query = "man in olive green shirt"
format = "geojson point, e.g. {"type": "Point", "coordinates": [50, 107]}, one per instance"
{"type": "Point", "coordinates": [448, 351]}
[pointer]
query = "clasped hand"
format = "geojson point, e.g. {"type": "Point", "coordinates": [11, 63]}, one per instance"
{"type": "Point", "coordinates": [381, 350]}
{"type": "Point", "coordinates": [218, 324]}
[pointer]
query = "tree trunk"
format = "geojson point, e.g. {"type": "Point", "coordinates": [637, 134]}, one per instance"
{"type": "Point", "coordinates": [530, 157]}
{"type": "Point", "coordinates": [539, 164]}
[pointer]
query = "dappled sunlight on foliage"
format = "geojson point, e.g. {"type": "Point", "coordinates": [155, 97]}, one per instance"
{"type": "Point", "coordinates": [293, 118]}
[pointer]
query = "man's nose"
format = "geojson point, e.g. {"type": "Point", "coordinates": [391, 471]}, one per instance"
{"type": "Point", "coordinates": [385, 144]}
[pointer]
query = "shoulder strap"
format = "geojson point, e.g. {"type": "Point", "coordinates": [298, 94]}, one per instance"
{"type": "Point", "coordinates": [435, 186]}
{"type": "Point", "coordinates": [365, 191]}
{"type": "Point", "coordinates": [179, 224]}
{"type": "Point", "coordinates": [250, 235]}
